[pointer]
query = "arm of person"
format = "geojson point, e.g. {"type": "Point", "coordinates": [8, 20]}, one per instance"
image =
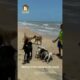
{"type": "Point", "coordinates": [55, 40]}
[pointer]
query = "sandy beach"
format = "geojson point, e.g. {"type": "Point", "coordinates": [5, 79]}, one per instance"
{"type": "Point", "coordinates": [25, 73]}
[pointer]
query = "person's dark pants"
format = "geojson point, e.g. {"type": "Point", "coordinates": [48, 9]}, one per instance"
{"type": "Point", "coordinates": [25, 57]}
{"type": "Point", "coordinates": [60, 46]}
{"type": "Point", "coordinates": [28, 57]}
{"type": "Point", "coordinates": [31, 54]}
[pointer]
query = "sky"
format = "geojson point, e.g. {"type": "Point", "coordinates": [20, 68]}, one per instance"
{"type": "Point", "coordinates": [41, 10]}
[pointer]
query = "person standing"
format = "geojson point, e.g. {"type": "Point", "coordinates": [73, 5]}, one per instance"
{"type": "Point", "coordinates": [60, 40]}
{"type": "Point", "coordinates": [28, 50]}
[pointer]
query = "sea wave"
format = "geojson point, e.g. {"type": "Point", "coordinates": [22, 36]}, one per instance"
{"type": "Point", "coordinates": [27, 24]}
{"type": "Point", "coordinates": [45, 24]}
{"type": "Point", "coordinates": [49, 28]}
{"type": "Point", "coordinates": [42, 28]}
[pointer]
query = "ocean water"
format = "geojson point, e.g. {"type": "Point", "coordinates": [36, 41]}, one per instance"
{"type": "Point", "coordinates": [43, 28]}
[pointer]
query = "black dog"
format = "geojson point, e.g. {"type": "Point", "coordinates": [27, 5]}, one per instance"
{"type": "Point", "coordinates": [41, 53]}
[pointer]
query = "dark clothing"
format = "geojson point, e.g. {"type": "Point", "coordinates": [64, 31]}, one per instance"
{"type": "Point", "coordinates": [7, 62]}
{"type": "Point", "coordinates": [60, 45]}
{"type": "Point", "coordinates": [28, 50]}
{"type": "Point", "coordinates": [28, 47]}
{"type": "Point", "coordinates": [28, 57]}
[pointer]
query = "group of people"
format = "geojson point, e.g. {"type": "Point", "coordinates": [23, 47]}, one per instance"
{"type": "Point", "coordinates": [7, 61]}
{"type": "Point", "coordinates": [47, 56]}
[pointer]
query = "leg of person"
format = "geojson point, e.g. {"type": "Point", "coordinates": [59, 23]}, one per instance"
{"type": "Point", "coordinates": [62, 50]}
{"type": "Point", "coordinates": [28, 57]}
{"type": "Point", "coordinates": [31, 54]}
{"type": "Point", "coordinates": [24, 57]}
{"type": "Point", "coordinates": [59, 48]}
{"type": "Point", "coordinates": [59, 52]}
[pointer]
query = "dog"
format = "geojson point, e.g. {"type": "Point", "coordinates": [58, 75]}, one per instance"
{"type": "Point", "coordinates": [38, 39]}
{"type": "Point", "coordinates": [43, 54]}
{"type": "Point", "coordinates": [48, 57]}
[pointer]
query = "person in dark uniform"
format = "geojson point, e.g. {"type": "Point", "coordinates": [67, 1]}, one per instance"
{"type": "Point", "coordinates": [7, 61]}
{"type": "Point", "coordinates": [28, 50]}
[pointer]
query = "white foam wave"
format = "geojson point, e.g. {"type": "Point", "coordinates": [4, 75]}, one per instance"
{"type": "Point", "coordinates": [49, 28]}
{"type": "Point", "coordinates": [28, 24]}
{"type": "Point", "coordinates": [45, 24]}
{"type": "Point", "coordinates": [44, 29]}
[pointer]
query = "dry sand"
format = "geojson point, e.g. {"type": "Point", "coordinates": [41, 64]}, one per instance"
{"type": "Point", "coordinates": [25, 73]}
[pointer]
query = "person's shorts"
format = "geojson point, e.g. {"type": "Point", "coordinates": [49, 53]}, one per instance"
{"type": "Point", "coordinates": [60, 45]}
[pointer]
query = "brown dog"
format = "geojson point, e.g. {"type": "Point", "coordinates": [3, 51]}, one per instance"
{"type": "Point", "coordinates": [38, 39]}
